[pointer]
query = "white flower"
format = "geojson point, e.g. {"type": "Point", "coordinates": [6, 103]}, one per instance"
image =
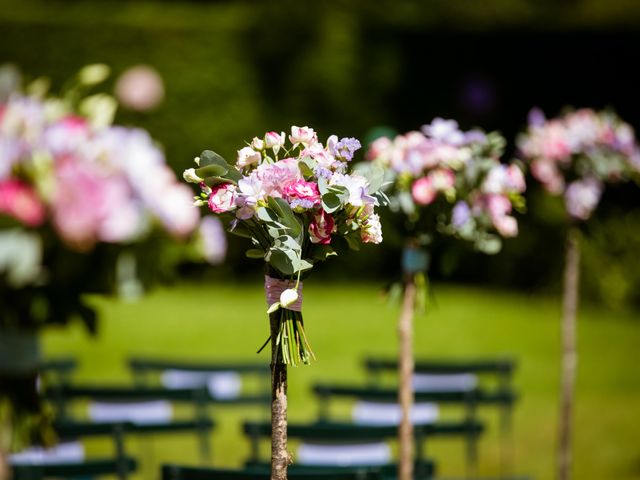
{"type": "Point", "coordinates": [304, 135]}
{"type": "Point", "coordinates": [257, 144]}
{"type": "Point", "coordinates": [190, 176]}
{"type": "Point", "coordinates": [288, 297]}
{"type": "Point", "coordinates": [247, 156]}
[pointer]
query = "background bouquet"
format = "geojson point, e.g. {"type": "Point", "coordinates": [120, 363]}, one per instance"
{"type": "Point", "coordinates": [445, 182]}
{"type": "Point", "coordinates": [452, 182]}
{"type": "Point", "coordinates": [85, 207]}
{"type": "Point", "coordinates": [293, 197]}
{"type": "Point", "coordinates": [575, 154]}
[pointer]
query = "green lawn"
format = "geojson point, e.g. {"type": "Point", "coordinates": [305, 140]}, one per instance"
{"type": "Point", "coordinates": [346, 322]}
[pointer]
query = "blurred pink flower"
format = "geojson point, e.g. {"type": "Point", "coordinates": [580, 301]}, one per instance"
{"type": "Point", "coordinates": [499, 208]}
{"type": "Point", "coordinates": [582, 197]}
{"type": "Point", "coordinates": [214, 240]}
{"type": "Point", "coordinates": [548, 174]}
{"type": "Point", "coordinates": [140, 88]}
{"type": "Point", "coordinates": [423, 191]}
{"type": "Point", "coordinates": [20, 201]}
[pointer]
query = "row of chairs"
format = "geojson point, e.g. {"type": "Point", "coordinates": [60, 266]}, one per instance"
{"type": "Point", "coordinates": [158, 383]}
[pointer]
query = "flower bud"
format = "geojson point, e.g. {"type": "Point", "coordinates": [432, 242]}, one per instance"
{"type": "Point", "coordinates": [289, 296]}
{"type": "Point", "coordinates": [190, 176]}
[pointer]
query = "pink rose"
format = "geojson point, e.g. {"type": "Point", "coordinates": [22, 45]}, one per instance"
{"type": "Point", "coordinates": [222, 198]}
{"type": "Point", "coordinates": [302, 190]}
{"type": "Point", "coordinates": [321, 228]}
{"type": "Point", "coordinates": [19, 200]}
{"type": "Point", "coordinates": [423, 191]}
{"type": "Point", "coordinates": [274, 140]}
{"type": "Point", "coordinates": [304, 135]}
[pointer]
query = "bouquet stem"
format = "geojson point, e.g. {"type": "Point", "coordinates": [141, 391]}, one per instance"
{"type": "Point", "coordinates": [280, 457]}
{"type": "Point", "coordinates": [569, 352]}
{"type": "Point", "coordinates": [406, 367]}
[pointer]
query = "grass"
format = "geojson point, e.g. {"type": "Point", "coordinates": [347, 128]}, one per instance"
{"type": "Point", "coordinates": [346, 322]}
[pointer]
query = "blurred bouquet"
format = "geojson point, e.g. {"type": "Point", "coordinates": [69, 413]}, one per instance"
{"type": "Point", "coordinates": [452, 182]}
{"type": "Point", "coordinates": [75, 193]}
{"type": "Point", "coordinates": [577, 153]}
{"type": "Point", "coordinates": [85, 207]}
{"type": "Point", "coordinates": [298, 205]}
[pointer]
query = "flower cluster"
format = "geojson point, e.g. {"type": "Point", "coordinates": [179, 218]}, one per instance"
{"type": "Point", "coordinates": [453, 177]}
{"type": "Point", "coordinates": [74, 186]}
{"type": "Point", "coordinates": [294, 198]}
{"type": "Point", "coordinates": [576, 154]}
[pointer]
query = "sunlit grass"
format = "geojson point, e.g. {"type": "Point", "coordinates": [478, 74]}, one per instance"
{"type": "Point", "coordinates": [346, 322]}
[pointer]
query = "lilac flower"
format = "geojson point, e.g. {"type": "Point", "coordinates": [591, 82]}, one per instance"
{"type": "Point", "coordinates": [346, 147]}
{"type": "Point", "coordinates": [536, 117]}
{"type": "Point", "coordinates": [214, 241]}
{"type": "Point", "coordinates": [301, 204]}
{"type": "Point", "coordinates": [461, 214]}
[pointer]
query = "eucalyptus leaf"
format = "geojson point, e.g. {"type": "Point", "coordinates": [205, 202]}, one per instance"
{"type": "Point", "coordinates": [254, 253]}
{"type": "Point", "coordinates": [211, 171]}
{"type": "Point", "coordinates": [282, 262]}
{"type": "Point", "coordinates": [353, 240]}
{"type": "Point", "coordinates": [209, 157]}
{"type": "Point", "coordinates": [330, 202]}
{"type": "Point", "coordinates": [287, 217]}
{"type": "Point", "coordinates": [241, 230]}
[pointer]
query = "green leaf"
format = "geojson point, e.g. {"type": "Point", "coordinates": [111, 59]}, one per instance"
{"type": "Point", "coordinates": [281, 261]}
{"type": "Point", "coordinates": [241, 230]}
{"type": "Point", "coordinates": [341, 191]}
{"type": "Point", "coordinates": [213, 181]}
{"type": "Point", "coordinates": [375, 176]}
{"type": "Point", "coordinates": [233, 174]}
{"type": "Point", "coordinates": [287, 217]}
{"type": "Point", "coordinates": [209, 157]}
{"type": "Point", "coordinates": [287, 242]}
{"type": "Point", "coordinates": [353, 241]}
{"type": "Point", "coordinates": [305, 265]}
{"type": "Point", "coordinates": [254, 253]}
{"type": "Point", "coordinates": [323, 187]}
{"type": "Point", "coordinates": [211, 171]}
{"type": "Point", "coordinates": [322, 252]}
{"type": "Point", "coordinates": [267, 215]}
{"type": "Point", "coordinates": [330, 202]}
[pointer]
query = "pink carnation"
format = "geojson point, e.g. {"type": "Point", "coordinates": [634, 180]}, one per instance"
{"type": "Point", "coordinates": [302, 190]}
{"type": "Point", "coordinates": [321, 228]}
{"type": "Point", "coordinates": [222, 198]}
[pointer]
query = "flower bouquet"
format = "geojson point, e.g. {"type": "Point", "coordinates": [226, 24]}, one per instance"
{"type": "Point", "coordinates": [442, 182]}
{"type": "Point", "coordinates": [297, 203]}
{"type": "Point", "coordinates": [79, 213]}
{"type": "Point", "coordinates": [575, 155]}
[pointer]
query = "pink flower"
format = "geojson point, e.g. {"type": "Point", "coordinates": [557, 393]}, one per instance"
{"type": "Point", "coordinates": [19, 200]}
{"type": "Point", "coordinates": [274, 140]}
{"type": "Point", "coordinates": [380, 149]}
{"type": "Point", "coordinates": [423, 191]}
{"type": "Point", "coordinates": [222, 198]}
{"type": "Point", "coordinates": [302, 190]}
{"type": "Point", "coordinates": [499, 208]}
{"type": "Point", "coordinates": [442, 180]}
{"type": "Point", "coordinates": [247, 156]}
{"type": "Point", "coordinates": [304, 135]}
{"type": "Point", "coordinates": [582, 197]}
{"type": "Point", "coordinates": [548, 174]}
{"type": "Point", "coordinates": [321, 228]}
{"type": "Point", "coordinates": [140, 88]}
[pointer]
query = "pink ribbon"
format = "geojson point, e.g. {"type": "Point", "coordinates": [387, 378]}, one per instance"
{"type": "Point", "coordinates": [273, 288]}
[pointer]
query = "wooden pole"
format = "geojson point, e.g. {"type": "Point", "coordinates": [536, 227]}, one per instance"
{"type": "Point", "coordinates": [280, 458]}
{"type": "Point", "coordinates": [406, 367]}
{"type": "Point", "coordinates": [569, 352]}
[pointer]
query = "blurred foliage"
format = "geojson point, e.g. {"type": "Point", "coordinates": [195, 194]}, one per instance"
{"type": "Point", "coordinates": [233, 70]}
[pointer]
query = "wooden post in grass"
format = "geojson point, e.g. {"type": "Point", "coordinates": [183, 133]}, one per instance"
{"type": "Point", "coordinates": [280, 458]}
{"type": "Point", "coordinates": [569, 351]}
{"type": "Point", "coordinates": [406, 367]}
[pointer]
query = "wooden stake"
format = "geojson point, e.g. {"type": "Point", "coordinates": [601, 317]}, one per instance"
{"type": "Point", "coordinates": [406, 367]}
{"type": "Point", "coordinates": [569, 352]}
{"type": "Point", "coordinates": [280, 457]}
